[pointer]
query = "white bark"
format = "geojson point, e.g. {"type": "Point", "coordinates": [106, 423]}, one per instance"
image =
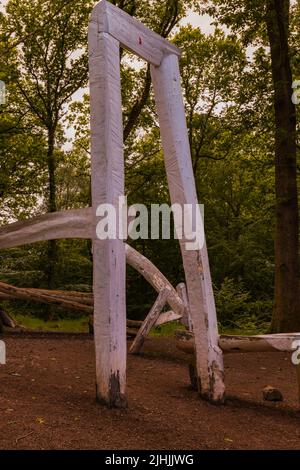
{"type": "Point", "coordinates": [182, 292]}
{"type": "Point", "coordinates": [66, 224]}
{"type": "Point", "coordinates": [149, 322]}
{"type": "Point", "coordinates": [131, 34]}
{"type": "Point", "coordinates": [107, 186]}
{"type": "Point", "coordinates": [244, 344]}
{"type": "Point", "coordinates": [78, 224]}
{"type": "Point", "coordinates": [171, 113]}
{"type": "Point", "coordinates": [167, 317]}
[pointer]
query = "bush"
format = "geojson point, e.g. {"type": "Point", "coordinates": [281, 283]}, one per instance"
{"type": "Point", "coordinates": [231, 300]}
{"type": "Point", "coordinates": [236, 310]}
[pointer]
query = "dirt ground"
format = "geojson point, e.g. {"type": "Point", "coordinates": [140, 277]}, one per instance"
{"type": "Point", "coordinates": [47, 400]}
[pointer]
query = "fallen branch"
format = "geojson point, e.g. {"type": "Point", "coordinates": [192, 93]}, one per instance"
{"type": "Point", "coordinates": [32, 295]}
{"type": "Point", "coordinates": [243, 344]}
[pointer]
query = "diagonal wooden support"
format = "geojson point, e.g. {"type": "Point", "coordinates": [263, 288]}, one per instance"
{"type": "Point", "coordinates": [186, 319]}
{"type": "Point", "coordinates": [149, 321]}
{"type": "Point", "coordinates": [78, 224]}
{"type": "Point", "coordinates": [209, 359]}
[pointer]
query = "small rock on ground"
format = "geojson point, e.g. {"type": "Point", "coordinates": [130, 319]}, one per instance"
{"type": "Point", "coordinates": [272, 394]}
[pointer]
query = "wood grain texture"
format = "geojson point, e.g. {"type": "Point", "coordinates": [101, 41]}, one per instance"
{"type": "Point", "coordinates": [168, 96]}
{"type": "Point", "coordinates": [167, 317]}
{"type": "Point", "coordinates": [107, 186]}
{"type": "Point", "coordinates": [243, 344]}
{"type": "Point", "coordinates": [62, 225]}
{"type": "Point", "coordinates": [131, 34]}
{"type": "Point", "coordinates": [149, 322]}
{"type": "Point", "coordinates": [182, 292]}
{"type": "Point", "coordinates": [67, 224]}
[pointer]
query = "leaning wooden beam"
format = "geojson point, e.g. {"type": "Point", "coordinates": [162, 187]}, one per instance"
{"type": "Point", "coordinates": [131, 34]}
{"type": "Point", "coordinates": [66, 224]}
{"type": "Point", "coordinates": [168, 97]}
{"type": "Point", "coordinates": [109, 259]}
{"type": "Point", "coordinates": [149, 322]}
{"type": "Point", "coordinates": [243, 344]}
{"type": "Point", "coordinates": [182, 292]}
{"type": "Point", "coordinates": [57, 226]}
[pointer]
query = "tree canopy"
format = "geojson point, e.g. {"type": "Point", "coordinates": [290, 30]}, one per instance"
{"type": "Point", "coordinates": [231, 86]}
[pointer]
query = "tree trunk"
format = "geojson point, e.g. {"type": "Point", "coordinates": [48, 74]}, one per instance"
{"type": "Point", "coordinates": [52, 244]}
{"type": "Point", "coordinates": [286, 316]}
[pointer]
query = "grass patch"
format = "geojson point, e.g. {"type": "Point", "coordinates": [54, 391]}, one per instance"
{"type": "Point", "coordinates": [79, 325]}
{"type": "Point", "coordinates": [168, 329]}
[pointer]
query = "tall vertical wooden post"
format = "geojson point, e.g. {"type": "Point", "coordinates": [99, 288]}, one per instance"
{"type": "Point", "coordinates": [107, 185]}
{"type": "Point", "coordinates": [110, 27]}
{"type": "Point", "coordinates": [168, 96]}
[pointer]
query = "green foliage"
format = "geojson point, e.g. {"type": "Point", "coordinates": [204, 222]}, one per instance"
{"type": "Point", "coordinates": [230, 300]}
{"type": "Point", "coordinates": [227, 92]}
{"type": "Point", "coordinates": [60, 326]}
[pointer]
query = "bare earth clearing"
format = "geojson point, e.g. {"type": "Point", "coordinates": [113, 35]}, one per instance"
{"type": "Point", "coordinates": [48, 400]}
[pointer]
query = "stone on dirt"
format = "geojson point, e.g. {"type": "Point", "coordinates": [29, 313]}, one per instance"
{"type": "Point", "coordinates": [272, 394]}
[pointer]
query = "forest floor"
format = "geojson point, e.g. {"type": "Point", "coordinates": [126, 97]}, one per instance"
{"type": "Point", "coordinates": [47, 400]}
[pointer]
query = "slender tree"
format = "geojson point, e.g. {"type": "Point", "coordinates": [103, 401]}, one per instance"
{"type": "Point", "coordinates": [52, 66]}
{"type": "Point", "coordinates": [268, 23]}
{"type": "Point", "coordinates": [287, 303]}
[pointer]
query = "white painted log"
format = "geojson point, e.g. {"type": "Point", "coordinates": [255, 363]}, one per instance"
{"type": "Point", "coordinates": [67, 224]}
{"type": "Point", "coordinates": [59, 225]}
{"type": "Point", "coordinates": [171, 113]}
{"type": "Point", "coordinates": [109, 260]}
{"type": "Point", "coordinates": [261, 343]}
{"type": "Point", "coordinates": [244, 344]}
{"type": "Point", "coordinates": [149, 322]}
{"type": "Point", "coordinates": [167, 317]}
{"type": "Point", "coordinates": [182, 292]}
{"type": "Point", "coordinates": [131, 34]}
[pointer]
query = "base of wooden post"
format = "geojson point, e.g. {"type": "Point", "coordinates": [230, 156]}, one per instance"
{"type": "Point", "coordinates": [193, 377]}
{"type": "Point", "coordinates": [115, 398]}
{"type": "Point", "coordinates": [196, 386]}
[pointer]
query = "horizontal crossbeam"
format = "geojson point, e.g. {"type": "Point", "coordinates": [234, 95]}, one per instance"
{"type": "Point", "coordinates": [132, 35]}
